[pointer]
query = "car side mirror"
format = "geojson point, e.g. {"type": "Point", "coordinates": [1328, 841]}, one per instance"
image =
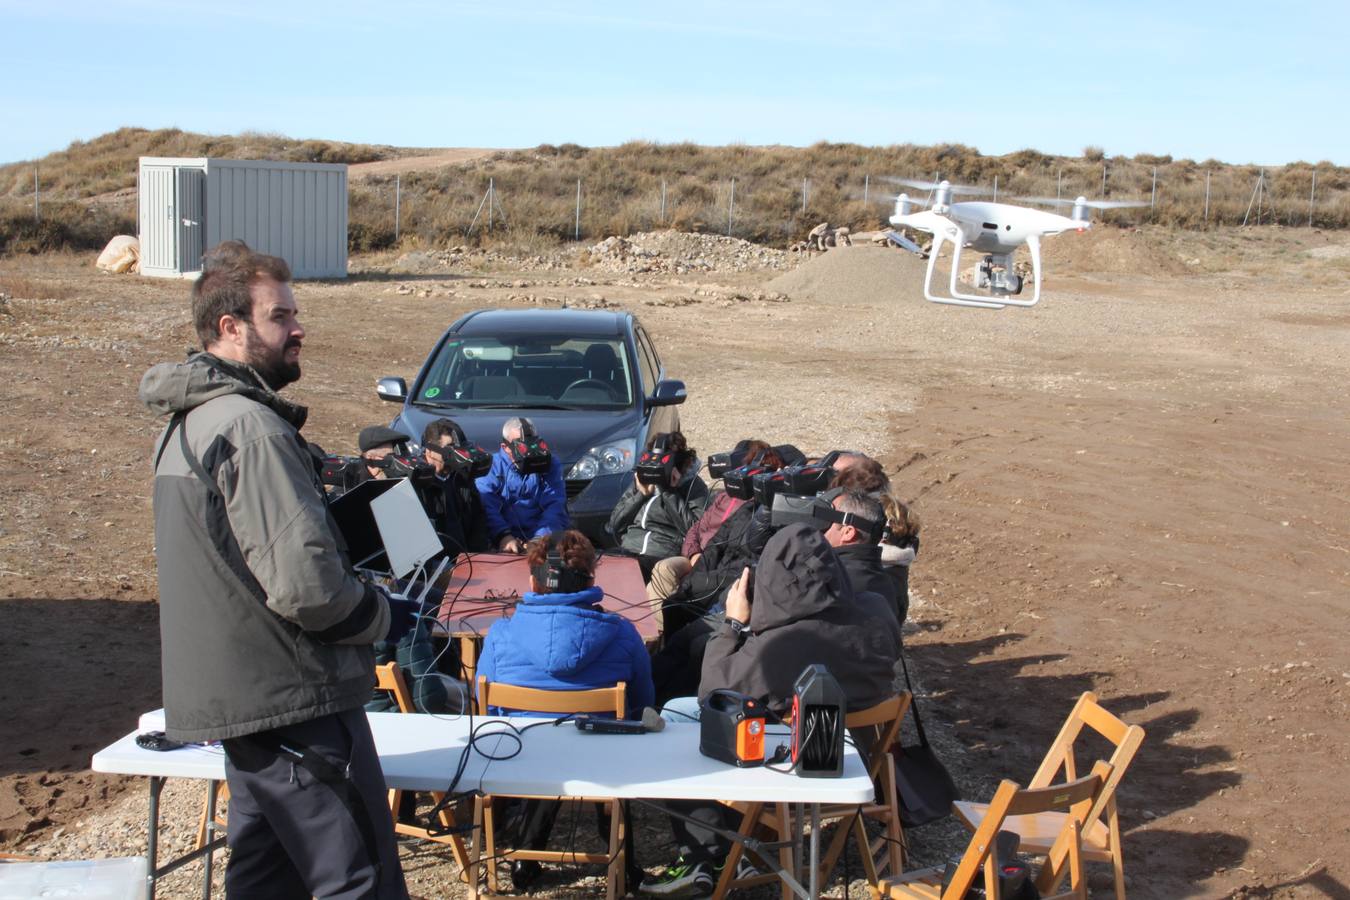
{"type": "Point", "coordinates": [395, 390]}
{"type": "Point", "coordinates": [668, 393]}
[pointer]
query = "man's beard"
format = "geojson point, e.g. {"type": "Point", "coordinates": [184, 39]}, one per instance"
{"type": "Point", "coordinates": [273, 367]}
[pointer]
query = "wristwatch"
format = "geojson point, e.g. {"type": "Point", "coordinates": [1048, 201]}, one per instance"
{"type": "Point", "coordinates": [737, 625]}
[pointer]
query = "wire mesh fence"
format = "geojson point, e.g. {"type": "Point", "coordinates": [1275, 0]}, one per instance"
{"type": "Point", "coordinates": [772, 196]}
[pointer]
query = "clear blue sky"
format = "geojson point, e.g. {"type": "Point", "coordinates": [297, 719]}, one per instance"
{"type": "Point", "coordinates": [1259, 83]}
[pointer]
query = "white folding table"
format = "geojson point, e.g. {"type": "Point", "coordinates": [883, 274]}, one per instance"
{"type": "Point", "coordinates": [422, 752]}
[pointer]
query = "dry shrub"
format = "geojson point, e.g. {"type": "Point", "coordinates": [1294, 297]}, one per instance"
{"type": "Point", "coordinates": [20, 287]}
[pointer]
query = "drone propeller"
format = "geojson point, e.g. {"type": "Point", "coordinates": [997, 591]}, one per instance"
{"type": "Point", "coordinates": [1081, 205]}
{"type": "Point", "coordinates": [956, 189]}
{"type": "Point", "coordinates": [1094, 204]}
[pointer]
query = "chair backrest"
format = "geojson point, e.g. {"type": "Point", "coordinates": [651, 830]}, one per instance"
{"type": "Point", "coordinates": [490, 387]}
{"type": "Point", "coordinates": [389, 677]}
{"type": "Point", "coordinates": [884, 719]}
{"type": "Point", "coordinates": [600, 362]}
{"type": "Point", "coordinates": [1074, 798]}
{"type": "Point", "coordinates": [510, 696]}
{"type": "Point", "coordinates": [1087, 712]}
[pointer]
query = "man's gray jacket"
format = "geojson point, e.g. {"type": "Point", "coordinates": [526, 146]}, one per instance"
{"type": "Point", "coordinates": [262, 622]}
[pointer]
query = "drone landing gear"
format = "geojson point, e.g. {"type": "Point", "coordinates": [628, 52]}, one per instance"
{"type": "Point", "coordinates": [996, 274]}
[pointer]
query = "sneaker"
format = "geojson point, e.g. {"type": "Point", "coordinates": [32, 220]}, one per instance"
{"type": "Point", "coordinates": [682, 879]}
{"type": "Point", "coordinates": [744, 869]}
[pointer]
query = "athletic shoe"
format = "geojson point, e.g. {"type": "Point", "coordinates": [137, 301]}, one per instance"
{"type": "Point", "coordinates": [744, 869]}
{"type": "Point", "coordinates": [682, 879]}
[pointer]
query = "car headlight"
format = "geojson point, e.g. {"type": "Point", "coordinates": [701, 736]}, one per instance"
{"type": "Point", "coordinates": [607, 459]}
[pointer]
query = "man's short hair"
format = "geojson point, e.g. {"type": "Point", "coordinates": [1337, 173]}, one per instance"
{"type": "Point", "coordinates": [864, 474]}
{"type": "Point", "coordinates": [520, 424]}
{"type": "Point", "coordinates": [439, 428]}
{"type": "Point", "coordinates": [861, 504]}
{"type": "Point", "coordinates": [223, 289]}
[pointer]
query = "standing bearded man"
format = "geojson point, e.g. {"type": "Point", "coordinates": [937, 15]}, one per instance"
{"type": "Point", "coordinates": [265, 628]}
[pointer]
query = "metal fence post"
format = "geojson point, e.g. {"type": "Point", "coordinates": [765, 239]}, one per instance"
{"type": "Point", "coordinates": [731, 206]}
{"type": "Point", "coordinates": [805, 182]}
{"type": "Point", "coordinates": [1059, 183]}
{"type": "Point", "coordinates": [1207, 195]}
{"type": "Point", "coordinates": [1153, 194]}
{"type": "Point", "coordinates": [1312, 198]}
{"type": "Point", "coordinates": [1103, 180]}
{"type": "Point", "coordinates": [995, 188]}
{"type": "Point", "coordinates": [37, 207]}
{"type": "Point", "coordinates": [867, 179]}
{"type": "Point", "coordinates": [663, 201]}
{"type": "Point", "coordinates": [491, 199]}
{"type": "Point", "coordinates": [577, 231]}
{"type": "Point", "coordinates": [398, 204]}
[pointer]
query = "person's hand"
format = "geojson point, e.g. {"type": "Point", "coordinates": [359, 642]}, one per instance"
{"type": "Point", "coordinates": [403, 613]}
{"type": "Point", "coordinates": [738, 598]}
{"type": "Point", "coordinates": [643, 489]}
{"type": "Point", "coordinates": [511, 544]}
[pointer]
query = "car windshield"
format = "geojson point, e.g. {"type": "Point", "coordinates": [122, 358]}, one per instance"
{"type": "Point", "coordinates": [530, 372]}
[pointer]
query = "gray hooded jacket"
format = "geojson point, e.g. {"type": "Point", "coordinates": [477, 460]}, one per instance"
{"type": "Point", "coordinates": [805, 611]}
{"type": "Point", "coordinates": [262, 621]}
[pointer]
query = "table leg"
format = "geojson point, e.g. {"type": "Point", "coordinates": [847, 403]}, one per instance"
{"type": "Point", "coordinates": [152, 841]}
{"type": "Point", "coordinates": [815, 851]}
{"type": "Point", "coordinates": [210, 835]}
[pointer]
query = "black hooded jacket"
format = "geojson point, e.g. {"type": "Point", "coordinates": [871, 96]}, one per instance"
{"type": "Point", "coordinates": [862, 562]}
{"type": "Point", "coordinates": [804, 611]}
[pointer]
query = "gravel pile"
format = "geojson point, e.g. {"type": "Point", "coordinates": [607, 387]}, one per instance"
{"type": "Point", "coordinates": [656, 251]}
{"type": "Point", "coordinates": [679, 252]}
{"type": "Point", "coordinates": [854, 276]}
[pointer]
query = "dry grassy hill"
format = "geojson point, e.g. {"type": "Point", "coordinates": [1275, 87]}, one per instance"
{"type": "Point", "coordinates": [770, 195]}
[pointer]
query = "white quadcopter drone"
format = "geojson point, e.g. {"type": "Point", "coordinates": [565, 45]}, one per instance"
{"type": "Point", "coordinates": [994, 229]}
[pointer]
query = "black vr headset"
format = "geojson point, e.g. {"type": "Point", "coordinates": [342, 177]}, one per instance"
{"type": "Point", "coordinates": [819, 512]}
{"type": "Point", "coordinates": [529, 453]}
{"type": "Point", "coordinates": [739, 482]}
{"type": "Point", "coordinates": [555, 577]}
{"type": "Point", "coordinates": [805, 478]}
{"type": "Point", "coordinates": [461, 456]}
{"type": "Point", "coordinates": [657, 465]}
{"type": "Point", "coordinates": [471, 461]}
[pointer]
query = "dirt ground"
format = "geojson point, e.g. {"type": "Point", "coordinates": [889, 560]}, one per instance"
{"type": "Point", "coordinates": [1138, 487]}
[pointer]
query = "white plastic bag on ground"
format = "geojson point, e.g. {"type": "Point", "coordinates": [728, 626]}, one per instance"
{"type": "Point", "coordinates": [123, 254]}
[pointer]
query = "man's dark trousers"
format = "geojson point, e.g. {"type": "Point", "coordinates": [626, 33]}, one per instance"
{"type": "Point", "coordinates": [309, 814]}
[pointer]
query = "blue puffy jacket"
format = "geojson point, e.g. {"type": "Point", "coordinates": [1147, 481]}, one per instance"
{"type": "Point", "coordinates": [559, 642]}
{"type": "Point", "coordinates": [526, 506]}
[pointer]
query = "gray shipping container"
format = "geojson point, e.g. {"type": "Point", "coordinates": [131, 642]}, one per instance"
{"type": "Point", "coordinates": [297, 211]}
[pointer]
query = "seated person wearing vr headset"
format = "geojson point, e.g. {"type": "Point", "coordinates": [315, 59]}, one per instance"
{"type": "Point", "coordinates": [798, 609]}
{"type": "Point", "coordinates": [559, 639]}
{"type": "Point", "coordinates": [663, 503]}
{"type": "Point", "coordinates": [523, 493]}
{"type": "Point", "coordinates": [457, 508]}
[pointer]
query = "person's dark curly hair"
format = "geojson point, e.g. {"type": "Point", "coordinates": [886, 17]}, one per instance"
{"type": "Point", "coordinates": [576, 551]}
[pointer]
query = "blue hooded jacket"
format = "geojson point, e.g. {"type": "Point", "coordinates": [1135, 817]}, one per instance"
{"type": "Point", "coordinates": [559, 642]}
{"type": "Point", "coordinates": [526, 506]}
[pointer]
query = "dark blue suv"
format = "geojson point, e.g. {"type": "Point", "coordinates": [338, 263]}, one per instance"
{"type": "Point", "coordinates": [591, 381]}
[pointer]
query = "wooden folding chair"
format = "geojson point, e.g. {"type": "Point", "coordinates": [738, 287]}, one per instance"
{"type": "Point", "coordinates": [1071, 801]}
{"type": "Point", "coordinates": [389, 677]}
{"type": "Point", "coordinates": [597, 700]}
{"type": "Point", "coordinates": [210, 820]}
{"type": "Point", "coordinates": [886, 853]}
{"type": "Point", "coordinates": [1101, 828]}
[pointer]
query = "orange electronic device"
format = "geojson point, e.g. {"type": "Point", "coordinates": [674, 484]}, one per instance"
{"type": "Point", "coordinates": [732, 728]}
